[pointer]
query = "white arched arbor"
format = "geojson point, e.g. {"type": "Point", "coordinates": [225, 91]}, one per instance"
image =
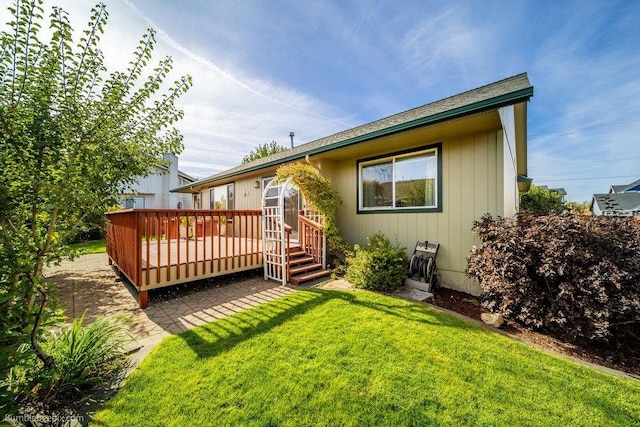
{"type": "Point", "coordinates": [277, 235]}
{"type": "Point", "coordinates": [274, 230]}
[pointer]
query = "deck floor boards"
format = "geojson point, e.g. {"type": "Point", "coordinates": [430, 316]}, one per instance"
{"type": "Point", "coordinates": [223, 247]}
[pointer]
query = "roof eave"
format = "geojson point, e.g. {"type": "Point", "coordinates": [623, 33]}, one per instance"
{"type": "Point", "coordinates": [511, 98]}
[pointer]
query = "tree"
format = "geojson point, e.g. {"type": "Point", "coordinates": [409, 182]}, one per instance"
{"type": "Point", "coordinates": [263, 150]}
{"type": "Point", "coordinates": [578, 208]}
{"type": "Point", "coordinates": [541, 201]}
{"type": "Point", "coordinates": [72, 138]}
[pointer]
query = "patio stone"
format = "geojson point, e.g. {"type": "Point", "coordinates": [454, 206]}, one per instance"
{"type": "Point", "coordinates": [90, 284]}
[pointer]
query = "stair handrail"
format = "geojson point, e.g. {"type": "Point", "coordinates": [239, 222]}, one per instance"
{"type": "Point", "coordinates": [287, 230]}
{"type": "Point", "coordinates": [312, 239]}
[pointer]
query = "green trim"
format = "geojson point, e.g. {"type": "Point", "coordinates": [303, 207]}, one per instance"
{"type": "Point", "coordinates": [465, 110]}
{"type": "Point", "coordinates": [400, 211]}
{"type": "Point", "coordinates": [438, 208]}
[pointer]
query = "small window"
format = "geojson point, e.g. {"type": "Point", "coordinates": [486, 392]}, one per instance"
{"type": "Point", "coordinates": [133, 203]}
{"type": "Point", "coordinates": [222, 197]}
{"type": "Point", "coordinates": [401, 182]}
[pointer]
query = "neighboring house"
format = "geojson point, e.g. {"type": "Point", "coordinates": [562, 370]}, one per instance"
{"type": "Point", "coordinates": [622, 200]}
{"type": "Point", "coordinates": [423, 174]}
{"type": "Point", "coordinates": [154, 191]}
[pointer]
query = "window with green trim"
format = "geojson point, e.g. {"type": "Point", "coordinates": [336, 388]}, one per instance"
{"type": "Point", "coordinates": [400, 182]}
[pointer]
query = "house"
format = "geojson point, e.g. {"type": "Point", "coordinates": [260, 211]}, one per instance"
{"type": "Point", "coordinates": [621, 200]}
{"type": "Point", "coordinates": [424, 174]}
{"type": "Point", "coordinates": [153, 191]}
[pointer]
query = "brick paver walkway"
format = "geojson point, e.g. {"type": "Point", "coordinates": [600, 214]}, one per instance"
{"type": "Point", "coordinates": [89, 283]}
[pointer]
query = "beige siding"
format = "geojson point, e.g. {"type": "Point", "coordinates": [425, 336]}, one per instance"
{"type": "Point", "coordinates": [472, 182]}
{"type": "Point", "coordinates": [248, 197]}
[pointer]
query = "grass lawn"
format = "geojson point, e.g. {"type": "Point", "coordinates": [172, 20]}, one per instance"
{"type": "Point", "coordinates": [360, 358]}
{"type": "Point", "coordinates": [92, 247]}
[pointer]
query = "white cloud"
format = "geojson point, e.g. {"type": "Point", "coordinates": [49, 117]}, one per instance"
{"type": "Point", "coordinates": [226, 113]}
{"type": "Point", "coordinates": [592, 124]}
{"type": "Point", "coordinates": [261, 71]}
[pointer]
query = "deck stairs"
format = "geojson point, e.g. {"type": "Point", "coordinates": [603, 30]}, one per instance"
{"type": "Point", "coordinates": [302, 267]}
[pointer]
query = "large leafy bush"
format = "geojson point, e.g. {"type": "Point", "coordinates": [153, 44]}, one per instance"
{"type": "Point", "coordinates": [574, 276]}
{"type": "Point", "coordinates": [74, 135]}
{"type": "Point", "coordinates": [379, 265]}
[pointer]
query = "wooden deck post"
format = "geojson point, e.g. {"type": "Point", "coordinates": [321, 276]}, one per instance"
{"type": "Point", "coordinates": [143, 299]}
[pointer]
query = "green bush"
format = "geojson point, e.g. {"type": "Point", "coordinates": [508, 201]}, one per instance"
{"type": "Point", "coordinates": [379, 265]}
{"type": "Point", "coordinates": [84, 358]}
{"type": "Point", "coordinates": [541, 201]}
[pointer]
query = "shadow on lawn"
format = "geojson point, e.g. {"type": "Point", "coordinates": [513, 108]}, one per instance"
{"type": "Point", "coordinates": [219, 336]}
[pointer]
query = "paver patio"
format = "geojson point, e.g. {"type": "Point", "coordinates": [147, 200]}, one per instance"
{"type": "Point", "coordinates": [89, 283]}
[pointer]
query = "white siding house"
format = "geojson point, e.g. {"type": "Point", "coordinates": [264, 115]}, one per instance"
{"type": "Point", "coordinates": [622, 200]}
{"type": "Point", "coordinates": [154, 191]}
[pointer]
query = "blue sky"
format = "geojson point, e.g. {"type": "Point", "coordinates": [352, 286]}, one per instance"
{"type": "Point", "coordinates": [264, 68]}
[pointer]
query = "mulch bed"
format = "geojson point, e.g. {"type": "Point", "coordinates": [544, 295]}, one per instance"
{"type": "Point", "coordinates": [623, 359]}
{"type": "Point", "coordinates": [175, 291]}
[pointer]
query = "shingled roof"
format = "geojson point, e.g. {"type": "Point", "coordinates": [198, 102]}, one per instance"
{"type": "Point", "coordinates": [509, 91]}
{"type": "Point", "coordinates": [617, 202]}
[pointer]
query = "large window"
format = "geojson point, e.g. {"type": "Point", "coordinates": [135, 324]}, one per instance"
{"type": "Point", "coordinates": [222, 197]}
{"type": "Point", "coordinates": [405, 181]}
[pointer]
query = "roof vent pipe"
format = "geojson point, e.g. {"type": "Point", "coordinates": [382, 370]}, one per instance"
{"type": "Point", "coordinates": [291, 135]}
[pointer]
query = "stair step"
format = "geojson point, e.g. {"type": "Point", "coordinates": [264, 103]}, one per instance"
{"type": "Point", "coordinates": [300, 260]}
{"type": "Point", "coordinates": [305, 268]}
{"type": "Point", "coordinates": [295, 254]}
{"type": "Point", "coordinates": [296, 280]}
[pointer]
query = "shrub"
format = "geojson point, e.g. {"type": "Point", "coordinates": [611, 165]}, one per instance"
{"type": "Point", "coordinates": [321, 197]}
{"type": "Point", "coordinates": [573, 276]}
{"type": "Point", "coordinates": [541, 201]}
{"type": "Point", "coordinates": [84, 358]}
{"type": "Point", "coordinates": [379, 265]}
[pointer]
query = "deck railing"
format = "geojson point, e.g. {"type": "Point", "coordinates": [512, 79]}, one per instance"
{"type": "Point", "coordinates": [123, 243]}
{"type": "Point", "coordinates": [311, 238]}
{"type": "Point", "coordinates": [161, 247]}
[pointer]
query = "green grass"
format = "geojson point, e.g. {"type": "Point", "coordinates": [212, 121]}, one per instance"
{"type": "Point", "coordinates": [360, 358]}
{"type": "Point", "coordinates": [92, 247]}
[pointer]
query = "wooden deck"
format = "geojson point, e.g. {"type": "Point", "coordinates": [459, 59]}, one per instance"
{"type": "Point", "coordinates": [154, 248]}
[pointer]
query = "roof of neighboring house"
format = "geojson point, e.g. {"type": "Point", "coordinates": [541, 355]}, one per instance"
{"type": "Point", "coordinates": [634, 186]}
{"type": "Point", "coordinates": [181, 174]}
{"type": "Point", "coordinates": [618, 201]}
{"type": "Point", "coordinates": [186, 176]}
{"type": "Point", "coordinates": [509, 91]}
{"type": "Point", "coordinates": [560, 191]}
{"type": "Point", "coordinates": [617, 189]}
